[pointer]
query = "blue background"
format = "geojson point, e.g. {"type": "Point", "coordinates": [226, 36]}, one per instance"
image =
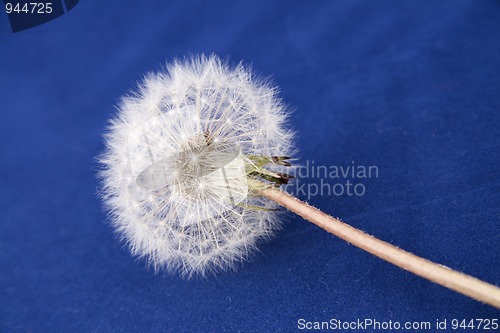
{"type": "Point", "coordinates": [412, 87]}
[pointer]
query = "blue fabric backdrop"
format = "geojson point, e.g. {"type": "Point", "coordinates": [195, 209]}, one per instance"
{"type": "Point", "coordinates": [411, 87]}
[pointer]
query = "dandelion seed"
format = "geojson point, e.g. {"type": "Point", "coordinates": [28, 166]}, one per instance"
{"type": "Point", "coordinates": [188, 134]}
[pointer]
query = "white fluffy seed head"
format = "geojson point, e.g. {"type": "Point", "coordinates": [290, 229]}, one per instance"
{"type": "Point", "coordinates": [174, 168]}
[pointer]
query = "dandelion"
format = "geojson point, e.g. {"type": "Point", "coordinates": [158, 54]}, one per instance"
{"type": "Point", "coordinates": [192, 169]}
{"type": "Point", "coordinates": [177, 159]}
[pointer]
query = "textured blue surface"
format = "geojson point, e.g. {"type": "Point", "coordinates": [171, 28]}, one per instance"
{"type": "Point", "coordinates": [411, 87]}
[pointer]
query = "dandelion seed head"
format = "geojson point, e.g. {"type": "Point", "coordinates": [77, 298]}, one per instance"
{"type": "Point", "coordinates": [174, 167]}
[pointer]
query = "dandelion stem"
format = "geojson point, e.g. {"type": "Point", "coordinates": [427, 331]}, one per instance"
{"type": "Point", "coordinates": [459, 282]}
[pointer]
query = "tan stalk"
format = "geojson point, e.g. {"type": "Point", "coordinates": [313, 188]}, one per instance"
{"type": "Point", "coordinates": [447, 277]}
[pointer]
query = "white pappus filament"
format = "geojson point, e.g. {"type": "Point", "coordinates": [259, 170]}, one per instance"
{"type": "Point", "coordinates": [176, 162]}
